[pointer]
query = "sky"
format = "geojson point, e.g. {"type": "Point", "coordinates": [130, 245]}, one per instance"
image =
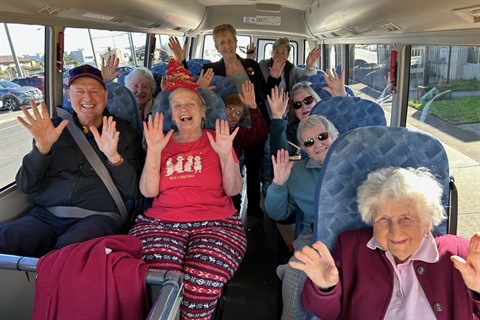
{"type": "Point", "coordinates": [29, 39]}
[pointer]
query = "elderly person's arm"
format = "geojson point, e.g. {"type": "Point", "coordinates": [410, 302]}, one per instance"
{"type": "Point", "coordinates": [222, 144]}
{"type": "Point", "coordinates": [470, 266]}
{"type": "Point", "coordinates": [156, 142]}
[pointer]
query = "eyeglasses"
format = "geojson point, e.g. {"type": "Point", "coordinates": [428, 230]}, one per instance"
{"type": "Point", "coordinates": [298, 104]}
{"type": "Point", "coordinates": [85, 71]}
{"type": "Point", "coordinates": [321, 136]}
{"type": "Point", "coordinates": [236, 112]}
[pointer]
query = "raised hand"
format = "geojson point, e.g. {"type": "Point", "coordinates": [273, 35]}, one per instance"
{"type": "Point", "coordinates": [223, 141]}
{"type": "Point", "coordinates": [336, 85]}
{"type": "Point", "coordinates": [313, 57]}
{"type": "Point", "coordinates": [282, 167]}
{"type": "Point", "coordinates": [107, 141]}
{"type": "Point", "coordinates": [41, 127]}
{"type": "Point", "coordinates": [205, 78]}
{"type": "Point", "coordinates": [278, 101]}
{"type": "Point", "coordinates": [277, 68]}
{"type": "Point", "coordinates": [251, 51]}
{"type": "Point", "coordinates": [248, 94]}
{"type": "Point", "coordinates": [470, 267]}
{"type": "Point", "coordinates": [153, 133]}
{"type": "Point", "coordinates": [109, 68]}
{"type": "Point", "coordinates": [178, 51]}
{"type": "Point", "coordinates": [318, 264]}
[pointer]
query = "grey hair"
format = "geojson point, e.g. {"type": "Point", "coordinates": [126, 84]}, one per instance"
{"type": "Point", "coordinates": [282, 42]}
{"type": "Point", "coordinates": [198, 97]}
{"type": "Point", "coordinates": [313, 121]}
{"type": "Point", "coordinates": [416, 184]}
{"type": "Point", "coordinates": [297, 88]}
{"type": "Point", "coordinates": [143, 72]}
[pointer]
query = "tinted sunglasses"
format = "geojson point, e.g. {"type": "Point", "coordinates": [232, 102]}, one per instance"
{"type": "Point", "coordinates": [298, 104]}
{"type": "Point", "coordinates": [85, 69]}
{"type": "Point", "coordinates": [321, 136]}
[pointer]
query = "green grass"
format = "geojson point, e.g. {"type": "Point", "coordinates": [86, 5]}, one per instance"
{"type": "Point", "coordinates": [457, 111]}
{"type": "Point", "coordinates": [465, 85]}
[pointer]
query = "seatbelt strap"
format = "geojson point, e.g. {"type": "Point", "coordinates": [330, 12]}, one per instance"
{"type": "Point", "coordinates": [95, 161]}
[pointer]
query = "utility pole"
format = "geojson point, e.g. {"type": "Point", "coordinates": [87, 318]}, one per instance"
{"type": "Point", "coordinates": [12, 49]}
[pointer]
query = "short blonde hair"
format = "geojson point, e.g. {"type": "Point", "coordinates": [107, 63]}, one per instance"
{"type": "Point", "coordinates": [226, 27]}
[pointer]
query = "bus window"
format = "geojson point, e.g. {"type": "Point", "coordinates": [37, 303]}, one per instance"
{"type": "Point", "coordinates": [21, 79]}
{"type": "Point", "coordinates": [211, 53]}
{"type": "Point", "coordinates": [268, 51]}
{"type": "Point", "coordinates": [444, 100]}
{"type": "Point", "coordinates": [369, 67]}
{"type": "Point", "coordinates": [88, 46]}
{"type": "Point", "coordinates": [162, 51]}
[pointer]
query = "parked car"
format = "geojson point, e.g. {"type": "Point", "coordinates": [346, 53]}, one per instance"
{"type": "Point", "coordinates": [34, 81]}
{"type": "Point", "coordinates": [13, 95]}
{"type": "Point", "coordinates": [125, 69]}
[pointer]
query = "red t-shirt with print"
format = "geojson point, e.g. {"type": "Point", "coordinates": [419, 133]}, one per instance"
{"type": "Point", "coordinates": [191, 183]}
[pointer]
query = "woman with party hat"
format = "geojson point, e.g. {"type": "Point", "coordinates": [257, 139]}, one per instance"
{"type": "Point", "coordinates": [192, 226]}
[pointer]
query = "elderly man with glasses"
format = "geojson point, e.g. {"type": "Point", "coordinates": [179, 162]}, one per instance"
{"type": "Point", "coordinates": [71, 203]}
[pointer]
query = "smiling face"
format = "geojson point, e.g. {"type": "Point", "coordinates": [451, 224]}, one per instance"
{"type": "Point", "coordinates": [319, 149]}
{"type": "Point", "coordinates": [141, 89]}
{"type": "Point", "coordinates": [234, 114]}
{"type": "Point", "coordinates": [187, 110]}
{"type": "Point", "coordinates": [226, 44]}
{"type": "Point", "coordinates": [305, 109]}
{"type": "Point", "coordinates": [88, 98]}
{"type": "Point", "coordinates": [398, 228]}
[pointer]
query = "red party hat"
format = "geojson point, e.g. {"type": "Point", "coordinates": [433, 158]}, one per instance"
{"type": "Point", "coordinates": [178, 77]}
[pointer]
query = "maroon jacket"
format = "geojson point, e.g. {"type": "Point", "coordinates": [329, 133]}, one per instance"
{"type": "Point", "coordinates": [366, 284]}
{"type": "Point", "coordinates": [248, 137]}
{"type": "Point", "coordinates": [81, 281]}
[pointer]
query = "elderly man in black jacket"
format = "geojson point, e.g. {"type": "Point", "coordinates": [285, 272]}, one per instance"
{"type": "Point", "coordinates": [72, 204]}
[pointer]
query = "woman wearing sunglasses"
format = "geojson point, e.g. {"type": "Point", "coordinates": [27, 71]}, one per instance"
{"type": "Point", "coordinates": [293, 189]}
{"type": "Point", "coordinates": [283, 133]}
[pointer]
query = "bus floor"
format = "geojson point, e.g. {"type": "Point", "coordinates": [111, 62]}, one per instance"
{"type": "Point", "coordinates": [254, 291]}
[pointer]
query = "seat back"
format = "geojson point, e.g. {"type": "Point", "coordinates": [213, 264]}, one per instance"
{"type": "Point", "coordinates": [194, 67]}
{"type": "Point", "coordinates": [347, 113]}
{"type": "Point", "coordinates": [160, 68]}
{"type": "Point", "coordinates": [223, 86]}
{"type": "Point", "coordinates": [362, 150]}
{"type": "Point", "coordinates": [122, 104]}
{"type": "Point", "coordinates": [215, 108]}
{"type": "Point", "coordinates": [201, 61]}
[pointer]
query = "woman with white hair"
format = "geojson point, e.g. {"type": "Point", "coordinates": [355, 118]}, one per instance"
{"type": "Point", "coordinates": [398, 269]}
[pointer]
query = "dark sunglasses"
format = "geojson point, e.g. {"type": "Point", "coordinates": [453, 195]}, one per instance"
{"type": "Point", "coordinates": [321, 136]}
{"type": "Point", "coordinates": [85, 69]}
{"type": "Point", "coordinates": [298, 104]}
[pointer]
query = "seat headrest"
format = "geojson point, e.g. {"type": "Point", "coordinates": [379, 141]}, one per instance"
{"type": "Point", "coordinates": [223, 86]}
{"type": "Point", "coordinates": [360, 151]}
{"type": "Point", "coordinates": [160, 68]}
{"type": "Point", "coordinates": [215, 108]}
{"type": "Point", "coordinates": [194, 67]}
{"type": "Point", "coordinates": [122, 104]}
{"type": "Point", "coordinates": [347, 113]}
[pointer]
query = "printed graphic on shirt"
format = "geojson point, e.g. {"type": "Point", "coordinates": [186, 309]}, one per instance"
{"type": "Point", "coordinates": [183, 164]}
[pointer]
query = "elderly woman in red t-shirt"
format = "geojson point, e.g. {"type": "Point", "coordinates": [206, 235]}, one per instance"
{"type": "Point", "coordinates": [192, 226]}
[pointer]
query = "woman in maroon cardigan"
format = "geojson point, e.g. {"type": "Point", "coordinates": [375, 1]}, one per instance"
{"type": "Point", "coordinates": [398, 269]}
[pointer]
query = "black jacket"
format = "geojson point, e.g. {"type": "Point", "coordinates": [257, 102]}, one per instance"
{"type": "Point", "coordinates": [64, 177]}
{"type": "Point", "coordinates": [262, 87]}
